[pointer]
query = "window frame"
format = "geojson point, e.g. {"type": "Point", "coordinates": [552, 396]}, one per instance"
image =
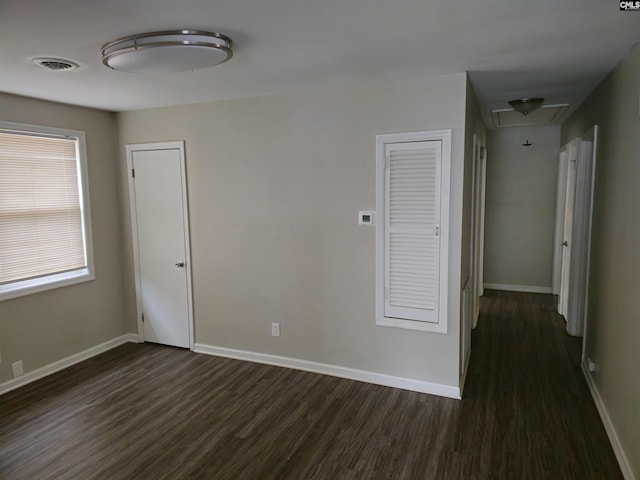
{"type": "Point", "coordinates": [381, 142]}
{"type": "Point", "coordinates": [21, 288]}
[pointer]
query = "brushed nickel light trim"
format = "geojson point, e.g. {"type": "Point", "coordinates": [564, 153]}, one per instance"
{"type": "Point", "coordinates": [167, 51]}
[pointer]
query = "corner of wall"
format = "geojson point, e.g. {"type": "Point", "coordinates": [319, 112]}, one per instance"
{"type": "Point", "coordinates": [128, 277]}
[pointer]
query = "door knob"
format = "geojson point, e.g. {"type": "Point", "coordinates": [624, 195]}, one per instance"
{"type": "Point", "coordinates": [564, 244]}
{"type": "Point", "coordinates": [180, 264]}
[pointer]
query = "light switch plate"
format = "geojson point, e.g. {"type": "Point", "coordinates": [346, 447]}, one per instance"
{"type": "Point", "coordinates": [275, 329]}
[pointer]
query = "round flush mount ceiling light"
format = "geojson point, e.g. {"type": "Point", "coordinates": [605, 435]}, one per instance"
{"type": "Point", "coordinates": [526, 105]}
{"type": "Point", "coordinates": [167, 52]}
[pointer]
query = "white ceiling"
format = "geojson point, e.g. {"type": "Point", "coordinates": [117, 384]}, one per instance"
{"type": "Point", "coordinates": [513, 48]}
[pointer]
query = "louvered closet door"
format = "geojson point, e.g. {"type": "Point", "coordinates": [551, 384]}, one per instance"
{"type": "Point", "coordinates": [412, 217]}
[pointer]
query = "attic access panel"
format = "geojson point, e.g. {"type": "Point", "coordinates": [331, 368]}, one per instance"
{"type": "Point", "coordinates": [544, 115]}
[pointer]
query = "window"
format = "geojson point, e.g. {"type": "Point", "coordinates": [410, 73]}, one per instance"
{"type": "Point", "coordinates": [412, 234]}
{"type": "Point", "coordinates": [45, 232]}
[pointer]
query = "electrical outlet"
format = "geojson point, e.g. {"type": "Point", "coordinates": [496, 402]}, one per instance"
{"type": "Point", "coordinates": [17, 368]}
{"type": "Point", "coordinates": [275, 329]}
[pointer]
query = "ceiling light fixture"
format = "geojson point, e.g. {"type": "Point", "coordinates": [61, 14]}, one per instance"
{"type": "Point", "coordinates": [526, 105]}
{"type": "Point", "coordinates": [167, 52]}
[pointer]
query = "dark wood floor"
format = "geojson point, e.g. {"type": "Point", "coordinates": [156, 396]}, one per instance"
{"type": "Point", "coordinates": [151, 412]}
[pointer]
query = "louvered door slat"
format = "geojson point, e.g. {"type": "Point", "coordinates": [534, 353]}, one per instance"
{"type": "Point", "coordinates": [412, 206]}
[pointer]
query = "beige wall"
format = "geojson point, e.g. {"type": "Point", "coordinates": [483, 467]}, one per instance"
{"type": "Point", "coordinates": [45, 327]}
{"type": "Point", "coordinates": [275, 184]}
{"type": "Point", "coordinates": [613, 330]}
{"type": "Point", "coordinates": [520, 205]}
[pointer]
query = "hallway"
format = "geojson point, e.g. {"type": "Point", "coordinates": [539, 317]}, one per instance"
{"type": "Point", "coordinates": [533, 411]}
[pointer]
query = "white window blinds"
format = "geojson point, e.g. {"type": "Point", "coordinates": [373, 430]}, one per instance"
{"type": "Point", "coordinates": [41, 224]}
{"type": "Point", "coordinates": [411, 237]}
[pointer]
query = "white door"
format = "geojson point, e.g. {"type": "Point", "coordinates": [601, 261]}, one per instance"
{"type": "Point", "coordinates": [412, 230]}
{"type": "Point", "coordinates": [567, 242]}
{"type": "Point", "coordinates": [159, 217]}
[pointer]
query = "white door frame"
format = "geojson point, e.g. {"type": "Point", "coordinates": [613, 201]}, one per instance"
{"type": "Point", "coordinates": [382, 141]}
{"type": "Point", "coordinates": [483, 196]}
{"type": "Point", "coordinates": [582, 221]}
{"type": "Point", "coordinates": [478, 177]}
{"type": "Point", "coordinates": [473, 246]}
{"type": "Point", "coordinates": [136, 147]}
{"type": "Point", "coordinates": [560, 204]}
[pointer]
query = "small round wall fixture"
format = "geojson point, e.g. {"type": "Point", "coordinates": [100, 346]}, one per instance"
{"type": "Point", "coordinates": [167, 51]}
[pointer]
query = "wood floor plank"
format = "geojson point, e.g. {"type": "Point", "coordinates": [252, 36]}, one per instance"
{"type": "Point", "coordinates": [153, 412]}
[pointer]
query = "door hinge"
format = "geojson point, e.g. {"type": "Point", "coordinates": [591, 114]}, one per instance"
{"type": "Point", "coordinates": [143, 317]}
{"type": "Point", "coordinates": [437, 230]}
{"type": "Point", "coordinates": [133, 172]}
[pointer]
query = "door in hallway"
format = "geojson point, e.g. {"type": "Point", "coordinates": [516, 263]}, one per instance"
{"type": "Point", "coordinates": [567, 240]}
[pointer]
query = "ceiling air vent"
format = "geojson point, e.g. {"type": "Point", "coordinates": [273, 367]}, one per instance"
{"type": "Point", "coordinates": [56, 64]}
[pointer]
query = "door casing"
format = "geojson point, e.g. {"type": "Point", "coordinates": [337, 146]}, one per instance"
{"type": "Point", "coordinates": [477, 228]}
{"type": "Point", "coordinates": [582, 225]}
{"type": "Point", "coordinates": [559, 229]}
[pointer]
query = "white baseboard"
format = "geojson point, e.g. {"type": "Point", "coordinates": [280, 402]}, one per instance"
{"type": "Point", "coordinates": [517, 288]}
{"type": "Point", "coordinates": [625, 466]}
{"type": "Point", "coordinates": [65, 362]}
{"type": "Point", "coordinates": [332, 370]}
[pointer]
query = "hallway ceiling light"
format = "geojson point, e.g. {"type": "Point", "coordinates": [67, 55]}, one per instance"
{"type": "Point", "coordinates": [167, 51]}
{"type": "Point", "coordinates": [526, 105]}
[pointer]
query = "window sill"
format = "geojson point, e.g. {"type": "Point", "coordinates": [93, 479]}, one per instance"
{"type": "Point", "coordinates": [35, 285]}
{"type": "Point", "coordinates": [411, 325]}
